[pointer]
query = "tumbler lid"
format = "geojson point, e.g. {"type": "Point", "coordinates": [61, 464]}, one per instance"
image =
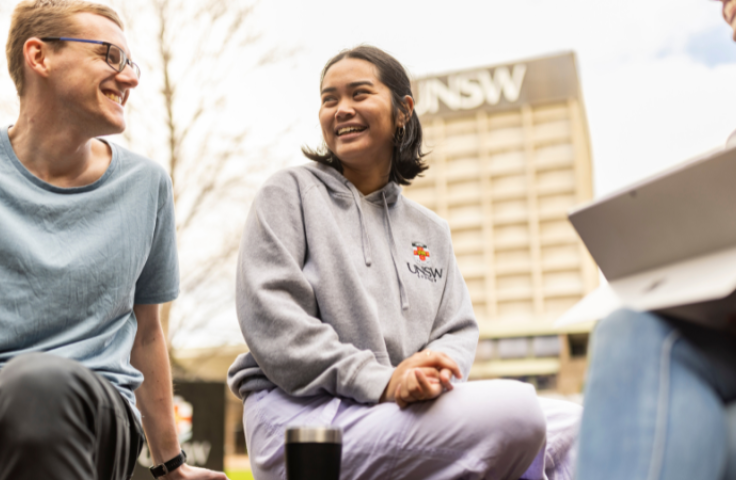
{"type": "Point", "coordinates": [314, 435]}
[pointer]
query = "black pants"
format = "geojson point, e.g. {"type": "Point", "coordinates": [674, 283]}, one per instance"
{"type": "Point", "coordinates": [59, 420]}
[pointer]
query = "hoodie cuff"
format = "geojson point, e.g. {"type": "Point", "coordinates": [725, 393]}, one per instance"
{"type": "Point", "coordinates": [370, 382]}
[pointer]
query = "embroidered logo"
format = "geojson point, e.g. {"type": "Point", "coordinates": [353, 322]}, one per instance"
{"type": "Point", "coordinates": [421, 252]}
{"type": "Point", "coordinates": [421, 267]}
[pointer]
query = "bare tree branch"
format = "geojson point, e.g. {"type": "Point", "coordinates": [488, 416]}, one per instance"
{"type": "Point", "coordinates": [193, 51]}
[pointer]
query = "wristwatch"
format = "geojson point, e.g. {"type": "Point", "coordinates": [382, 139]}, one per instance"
{"type": "Point", "coordinates": [166, 467]}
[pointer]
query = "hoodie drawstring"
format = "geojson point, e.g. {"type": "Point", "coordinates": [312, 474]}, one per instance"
{"type": "Point", "coordinates": [392, 247]}
{"type": "Point", "coordinates": [363, 229]}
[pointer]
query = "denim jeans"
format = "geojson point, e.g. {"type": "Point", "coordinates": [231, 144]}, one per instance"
{"type": "Point", "coordinates": [659, 401]}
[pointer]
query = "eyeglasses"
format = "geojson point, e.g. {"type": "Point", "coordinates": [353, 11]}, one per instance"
{"type": "Point", "coordinates": [115, 56]}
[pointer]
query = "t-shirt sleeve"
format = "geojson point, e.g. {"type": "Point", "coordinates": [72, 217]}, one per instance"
{"type": "Point", "coordinates": [159, 279]}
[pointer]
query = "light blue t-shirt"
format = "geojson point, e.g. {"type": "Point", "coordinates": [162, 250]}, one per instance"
{"type": "Point", "coordinates": [74, 261]}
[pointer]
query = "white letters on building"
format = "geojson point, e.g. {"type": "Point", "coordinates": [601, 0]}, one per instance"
{"type": "Point", "coordinates": [467, 91]}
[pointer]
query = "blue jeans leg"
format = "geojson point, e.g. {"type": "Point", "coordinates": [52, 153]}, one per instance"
{"type": "Point", "coordinates": [654, 406]}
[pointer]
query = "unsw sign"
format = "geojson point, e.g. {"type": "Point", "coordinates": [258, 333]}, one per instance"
{"type": "Point", "coordinates": [541, 80]}
{"type": "Point", "coordinates": [468, 91]}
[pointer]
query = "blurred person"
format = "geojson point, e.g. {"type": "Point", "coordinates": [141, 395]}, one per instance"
{"type": "Point", "coordinates": [87, 254]}
{"type": "Point", "coordinates": [356, 315]}
{"type": "Point", "coordinates": [660, 399]}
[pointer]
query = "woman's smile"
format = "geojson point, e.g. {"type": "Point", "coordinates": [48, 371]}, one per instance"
{"type": "Point", "coordinates": [349, 131]}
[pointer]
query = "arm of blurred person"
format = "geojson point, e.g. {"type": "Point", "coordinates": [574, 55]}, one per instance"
{"type": "Point", "coordinates": [154, 397]}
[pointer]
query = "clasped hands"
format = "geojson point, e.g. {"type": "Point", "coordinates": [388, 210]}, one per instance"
{"type": "Point", "coordinates": [423, 376]}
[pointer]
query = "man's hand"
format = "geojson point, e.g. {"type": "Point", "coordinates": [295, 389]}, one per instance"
{"type": "Point", "coordinates": [423, 376]}
{"type": "Point", "coordinates": [187, 472]}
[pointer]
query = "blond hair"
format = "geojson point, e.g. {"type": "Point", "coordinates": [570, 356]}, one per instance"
{"type": "Point", "coordinates": [45, 18]}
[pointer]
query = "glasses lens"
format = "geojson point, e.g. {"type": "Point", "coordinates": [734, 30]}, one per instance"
{"type": "Point", "coordinates": [116, 58]}
{"type": "Point", "coordinates": [136, 69]}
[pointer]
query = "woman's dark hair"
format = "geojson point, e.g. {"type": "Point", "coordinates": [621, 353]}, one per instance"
{"type": "Point", "coordinates": [407, 161]}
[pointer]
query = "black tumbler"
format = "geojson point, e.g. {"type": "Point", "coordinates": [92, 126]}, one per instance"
{"type": "Point", "coordinates": [313, 453]}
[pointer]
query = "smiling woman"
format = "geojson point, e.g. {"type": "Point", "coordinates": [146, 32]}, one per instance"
{"type": "Point", "coordinates": [367, 116]}
{"type": "Point", "coordinates": [355, 312]}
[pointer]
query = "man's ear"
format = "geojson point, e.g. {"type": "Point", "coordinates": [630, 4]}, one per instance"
{"type": "Point", "coordinates": [36, 54]}
{"type": "Point", "coordinates": [409, 105]}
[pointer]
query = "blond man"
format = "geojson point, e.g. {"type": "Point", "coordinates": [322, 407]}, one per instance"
{"type": "Point", "coordinates": [87, 254]}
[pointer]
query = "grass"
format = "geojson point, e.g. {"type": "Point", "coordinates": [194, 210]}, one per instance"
{"type": "Point", "coordinates": [239, 474]}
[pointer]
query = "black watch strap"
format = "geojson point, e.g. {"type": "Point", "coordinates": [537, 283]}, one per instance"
{"type": "Point", "coordinates": [166, 467]}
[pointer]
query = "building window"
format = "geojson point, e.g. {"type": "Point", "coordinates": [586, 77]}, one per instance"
{"type": "Point", "coordinates": [578, 344]}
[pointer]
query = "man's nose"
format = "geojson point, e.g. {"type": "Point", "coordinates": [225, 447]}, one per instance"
{"type": "Point", "coordinates": [128, 77]}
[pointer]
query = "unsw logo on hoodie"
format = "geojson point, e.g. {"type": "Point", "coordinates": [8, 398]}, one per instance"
{"type": "Point", "coordinates": [422, 263]}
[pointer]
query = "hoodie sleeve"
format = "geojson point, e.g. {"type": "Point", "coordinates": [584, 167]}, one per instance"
{"type": "Point", "coordinates": [278, 311]}
{"type": "Point", "coordinates": [455, 330]}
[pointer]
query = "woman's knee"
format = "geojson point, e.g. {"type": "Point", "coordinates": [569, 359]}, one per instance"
{"type": "Point", "coordinates": [526, 419]}
{"type": "Point", "coordinates": [510, 407]}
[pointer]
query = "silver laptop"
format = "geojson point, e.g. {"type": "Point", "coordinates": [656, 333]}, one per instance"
{"type": "Point", "coordinates": [666, 244]}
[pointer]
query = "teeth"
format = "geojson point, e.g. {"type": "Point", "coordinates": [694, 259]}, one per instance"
{"type": "Point", "coordinates": [114, 98]}
{"type": "Point", "coordinates": [349, 129]}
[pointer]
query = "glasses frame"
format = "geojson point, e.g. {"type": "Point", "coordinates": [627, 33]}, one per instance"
{"type": "Point", "coordinates": [125, 60]}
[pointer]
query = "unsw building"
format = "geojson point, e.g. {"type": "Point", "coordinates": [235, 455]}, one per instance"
{"type": "Point", "coordinates": [509, 156]}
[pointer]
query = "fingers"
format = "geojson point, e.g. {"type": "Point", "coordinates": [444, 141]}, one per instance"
{"type": "Point", "coordinates": [431, 389]}
{"type": "Point", "coordinates": [397, 398]}
{"type": "Point", "coordinates": [423, 376]}
{"type": "Point", "coordinates": [445, 377]}
{"type": "Point", "coordinates": [439, 360]}
{"type": "Point", "coordinates": [411, 391]}
{"type": "Point", "coordinates": [187, 471]}
{"type": "Point", "coordinates": [418, 384]}
{"type": "Point", "coordinates": [432, 374]}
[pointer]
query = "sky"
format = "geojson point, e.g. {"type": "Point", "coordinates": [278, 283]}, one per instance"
{"type": "Point", "coordinates": [657, 76]}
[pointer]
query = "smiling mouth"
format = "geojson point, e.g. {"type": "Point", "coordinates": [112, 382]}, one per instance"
{"type": "Point", "coordinates": [345, 130]}
{"type": "Point", "coordinates": [115, 98]}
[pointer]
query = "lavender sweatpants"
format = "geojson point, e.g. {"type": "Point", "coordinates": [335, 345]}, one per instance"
{"type": "Point", "coordinates": [493, 429]}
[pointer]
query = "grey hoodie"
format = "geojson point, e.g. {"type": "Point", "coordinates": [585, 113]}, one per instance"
{"type": "Point", "coordinates": [335, 289]}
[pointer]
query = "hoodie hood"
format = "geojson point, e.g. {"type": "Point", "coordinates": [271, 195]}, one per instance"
{"type": "Point", "coordinates": [385, 197]}
{"type": "Point", "coordinates": [336, 182]}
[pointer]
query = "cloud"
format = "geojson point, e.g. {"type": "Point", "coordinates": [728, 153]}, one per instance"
{"type": "Point", "coordinates": [712, 47]}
